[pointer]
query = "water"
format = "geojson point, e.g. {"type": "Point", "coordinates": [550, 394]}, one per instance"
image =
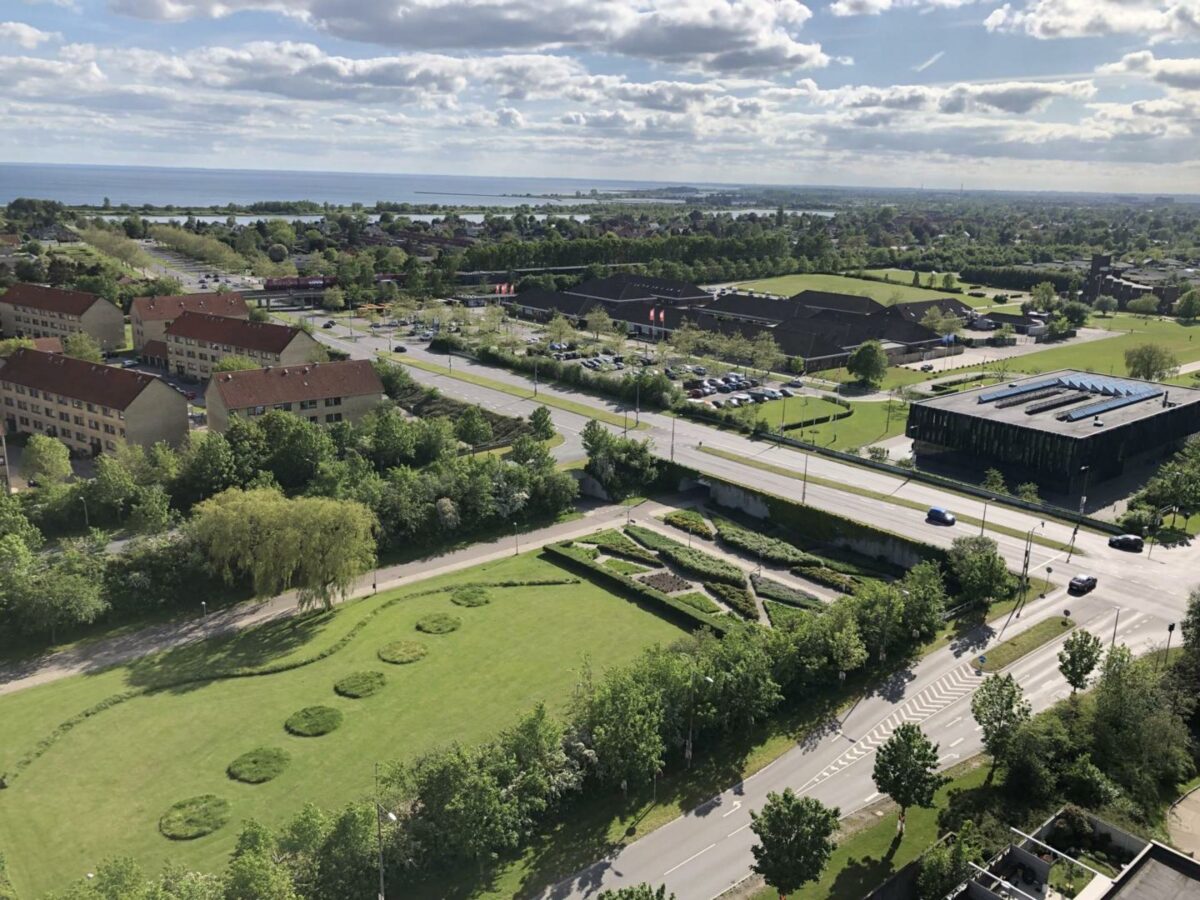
{"type": "Point", "coordinates": [136, 185]}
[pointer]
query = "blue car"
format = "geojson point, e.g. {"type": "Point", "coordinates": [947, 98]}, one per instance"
{"type": "Point", "coordinates": [941, 516]}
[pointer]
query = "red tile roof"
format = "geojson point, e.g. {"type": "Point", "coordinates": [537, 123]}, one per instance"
{"type": "Point", "coordinates": [75, 378]}
{"type": "Point", "coordinates": [73, 303]}
{"type": "Point", "coordinates": [261, 336]}
{"type": "Point", "coordinates": [153, 309]}
{"type": "Point", "coordinates": [48, 345]}
{"type": "Point", "coordinates": [289, 384]}
{"type": "Point", "coordinates": [154, 350]}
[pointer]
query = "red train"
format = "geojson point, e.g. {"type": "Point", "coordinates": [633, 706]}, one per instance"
{"type": "Point", "coordinates": [309, 282]}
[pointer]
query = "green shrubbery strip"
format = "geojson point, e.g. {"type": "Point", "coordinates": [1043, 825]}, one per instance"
{"type": "Point", "coordinates": [194, 817]}
{"type": "Point", "coordinates": [782, 593]}
{"type": "Point", "coordinates": [696, 562]}
{"type": "Point", "coordinates": [780, 614]}
{"type": "Point", "coordinates": [699, 601]}
{"type": "Point", "coordinates": [565, 553]}
{"type": "Point", "coordinates": [690, 521]}
{"type": "Point", "coordinates": [822, 574]}
{"type": "Point", "coordinates": [766, 548]}
{"type": "Point", "coordinates": [611, 541]}
{"type": "Point", "coordinates": [736, 598]}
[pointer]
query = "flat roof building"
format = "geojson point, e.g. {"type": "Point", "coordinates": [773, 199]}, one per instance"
{"type": "Point", "coordinates": [150, 316]}
{"type": "Point", "coordinates": [1061, 429]}
{"type": "Point", "coordinates": [91, 408]}
{"type": "Point", "coordinates": [35, 311]}
{"type": "Point", "coordinates": [323, 393]}
{"type": "Point", "coordinates": [197, 341]}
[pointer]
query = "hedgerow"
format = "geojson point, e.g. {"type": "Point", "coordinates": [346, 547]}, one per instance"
{"type": "Point", "coordinates": [736, 598]}
{"type": "Point", "coordinates": [696, 562]}
{"type": "Point", "coordinates": [780, 613]}
{"type": "Point", "coordinates": [690, 521]}
{"type": "Point", "coordinates": [700, 601]}
{"type": "Point", "coordinates": [767, 588]}
{"type": "Point", "coordinates": [766, 548]}
{"type": "Point", "coordinates": [822, 574]}
{"type": "Point", "coordinates": [611, 541]}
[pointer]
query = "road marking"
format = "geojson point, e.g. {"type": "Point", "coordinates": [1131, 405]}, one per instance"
{"type": "Point", "coordinates": [735, 831]}
{"type": "Point", "coordinates": [954, 722]}
{"type": "Point", "coordinates": [954, 744]}
{"type": "Point", "coordinates": [688, 860]}
{"type": "Point", "coordinates": [737, 804]}
{"type": "Point", "coordinates": [947, 757]}
{"type": "Point", "coordinates": [872, 797]}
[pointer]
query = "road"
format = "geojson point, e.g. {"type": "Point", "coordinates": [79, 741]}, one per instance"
{"type": "Point", "coordinates": [703, 852]}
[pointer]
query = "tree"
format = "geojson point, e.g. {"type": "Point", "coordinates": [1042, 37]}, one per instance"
{"type": "Point", "coordinates": [924, 592]}
{"type": "Point", "coordinates": [686, 339]}
{"type": "Point", "coordinates": [62, 591]}
{"type": "Point", "coordinates": [296, 448]}
{"type": "Point", "coordinates": [1105, 305]}
{"type": "Point", "coordinates": [599, 322]}
{"type": "Point", "coordinates": [1079, 656]}
{"type": "Point", "coordinates": [949, 282]}
{"type": "Point", "coordinates": [1187, 307]}
{"type": "Point", "coordinates": [906, 769]}
{"type": "Point", "coordinates": [333, 299]}
{"type": "Point", "coordinates": [541, 424]}
{"type": "Point", "coordinates": [868, 363]}
{"type": "Point", "coordinates": [234, 363]}
{"type": "Point", "coordinates": [624, 718]}
{"type": "Point", "coordinates": [207, 468]}
{"type": "Point", "coordinates": [1076, 313]}
{"type": "Point", "coordinates": [150, 511]}
{"type": "Point", "coordinates": [46, 460]}
{"type": "Point", "coordinates": [277, 253]}
{"type": "Point", "coordinates": [13, 521]}
{"type": "Point", "coordinates": [764, 352]}
{"type": "Point", "coordinates": [993, 480]}
{"type": "Point", "coordinates": [111, 490]}
{"type": "Point", "coordinates": [1044, 295]}
{"type": "Point", "coordinates": [82, 345]}
{"type": "Point", "coordinates": [999, 707]}
{"type": "Point", "coordinates": [638, 892]}
{"type": "Point", "coordinates": [1150, 362]}
{"type": "Point", "coordinates": [621, 465]}
{"type": "Point", "coordinates": [472, 427]}
{"type": "Point", "coordinates": [947, 865]}
{"type": "Point", "coordinates": [1143, 306]}
{"type": "Point", "coordinates": [979, 569]}
{"type": "Point", "coordinates": [1028, 491]}
{"type": "Point", "coordinates": [795, 840]}
{"type": "Point", "coordinates": [559, 329]}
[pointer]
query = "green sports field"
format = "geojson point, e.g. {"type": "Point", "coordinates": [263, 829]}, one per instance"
{"type": "Point", "coordinates": [99, 791]}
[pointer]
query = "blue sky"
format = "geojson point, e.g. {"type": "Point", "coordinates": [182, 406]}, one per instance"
{"type": "Point", "coordinates": [1040, 94]}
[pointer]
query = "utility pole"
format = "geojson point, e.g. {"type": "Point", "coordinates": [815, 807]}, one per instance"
{"type": "Point", "coordinates": [1086, 470]}
{"type": "Point", "coordinates": [983, 523]}
{"type": "Point", "coordinates": [1117, 619]}
{"type": "Point", "coordinates": [1167, 652]}
{"type": "Point", "coordinates": [804, 483]}
{"type": "Point", "coordinates": [672, 438]}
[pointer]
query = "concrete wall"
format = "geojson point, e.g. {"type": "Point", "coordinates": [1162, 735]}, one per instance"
{"type": "Point", "coordinates": [106, 324]}
{"type": "Point", "coordinates": [160, 413]}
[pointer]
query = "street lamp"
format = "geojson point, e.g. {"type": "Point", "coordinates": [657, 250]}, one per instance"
{"type": "Point", "coordinates": [516, 541]}
{"type": "Point", "coordinates": [1025, 567]}
{"type": "Point", "coordinates": [204, 608]}
{"type": "Point", "coordinates": [1086, 470]}
{"type": "Point", "coordinates": [687, 750]}
{"type": "Point", "coordinates": [380, 813]}
{"type": "Point", "coordinates": [1167, 652]}
{"type": "Point", "coordinates": [83, 500]}
{"type": "Point", "coordinates": [983, 523]}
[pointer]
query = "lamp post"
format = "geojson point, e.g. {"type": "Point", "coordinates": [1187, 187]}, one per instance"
{"type": "Point", "coordinates": [983, 522]}
{"type": "Point", "coordinates": [687, 749]}
{"type": "Point", "coordinates": [516, 541]}
{"type": "Point", "coordinates": [535, 380]}
{"type": "Point", "coordinates": [1116, 619]}
{"type": "Point", "coordinates": [804, 483]}
{"type": "Point", "coordinates": [672, 438]}
{"type": "Point", "coordinates": [83, 500]}
{"type": "Point", "coordinates": [637, 402]}
{"type": "Point", "coordinates": [204, 608]}
{"type": "Point", "coordinates": [1025, 566]}
{"type": "Point", "coordinates": [380, 812]}
{"type": "Point", "coordinates": [1086, 470]}
{"type": "Point", "coordinates": [1167, 652]}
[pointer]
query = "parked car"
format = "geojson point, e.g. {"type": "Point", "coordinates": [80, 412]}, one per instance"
{"type": "Point", "coordinates": [128, 363]}
{"type": "Point", "coordinates": [733, 401]}
{"type": "Point", "coordinates": [928, 367]}
{"type": "Point", "coordinates": [329, 324]}
{"type": "Point", "coordinates": [1082, 584]}
{"type": "Point", "coordinates": [1131, 542]}
{"type": "Point", "coordinates": [399, 349]}
{"type": "Point", "coordinates": [786, 393]}
{"type": "Point", "coordinates": [718, 403]}
{"type": "Point", "coordinates": [940, 516]}
{"type": "Point", "coordinates": [795, 383]}
{"type": "Point", "coordinates": [700, 370]}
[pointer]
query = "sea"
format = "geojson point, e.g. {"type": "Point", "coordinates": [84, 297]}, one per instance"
{"type": "Point", "coordinates": [186, 187]}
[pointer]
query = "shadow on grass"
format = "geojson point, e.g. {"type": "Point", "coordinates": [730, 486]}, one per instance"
{"type": "Point", "coordinates": [861, 876]}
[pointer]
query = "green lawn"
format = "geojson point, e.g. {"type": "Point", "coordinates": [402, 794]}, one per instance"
{"type": "Point", "coordinates": [1026, 642]}
{"type": "Point", "coordinates": [900, 292]}
{"type": "Point", "coordinates": [794, 409]}
{"type": "Point", "coordinates": [897, 376]}
{"type": "Point", "coordinates": [869, 422]}
{"type": "Point", "coordinates": [99, 791]}
{"type": "Point", "coordinates": [869, 856]}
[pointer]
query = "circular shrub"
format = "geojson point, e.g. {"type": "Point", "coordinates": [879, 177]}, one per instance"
{"type": "Point", "coordinates": [439, 623]}
{"type": "Point", "coordinates": [401, 652]}
{"type": "Point", "coordinates": [194, 817]}
{"type": "Point", "coordinates": [470, 595]}
{"type": "Point", "coordinates": [360, 684]}
{"type": "Point", "coordinates": [258, 765]}
{"type": "Point", "coordinates": [313, 721]}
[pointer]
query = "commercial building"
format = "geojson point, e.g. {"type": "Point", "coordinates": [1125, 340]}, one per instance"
{"type": "Point", "coordinates": [34, 311]}
{"type": "Point", "coordinates": [91, 408]}
{"type": "Point", "coordinates": [1062, 429]}
{"type": "Point", "coordinates": [197, 341]}
{"type": "Point", "coordinates": [150, 316]}
{"type": "Point", "coordinates": [323, 393]}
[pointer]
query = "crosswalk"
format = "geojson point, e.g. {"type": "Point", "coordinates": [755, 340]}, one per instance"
{"type": "Point", "coordinates": [950, 688]}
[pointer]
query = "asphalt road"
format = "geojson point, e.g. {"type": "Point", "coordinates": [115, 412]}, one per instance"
{"type": "Point", "coordinates": [706, 850]}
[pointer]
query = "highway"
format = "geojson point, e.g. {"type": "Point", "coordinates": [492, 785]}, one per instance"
{"type": "Point", "coordinates": [705, 851]}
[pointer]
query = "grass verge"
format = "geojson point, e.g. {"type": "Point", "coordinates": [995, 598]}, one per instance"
{"type": "Point", "coordinates": [1007, 653]}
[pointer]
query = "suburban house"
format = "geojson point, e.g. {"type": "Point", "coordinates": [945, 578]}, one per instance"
{"type": "Point", "coordinates": [323, 393]}
{"type": "Point", "coordinates": [150, 316]}
{"type": "Point", "coordinates": [31, 310]}
{"type": "Point", "coordinates": [91, 408]}
{"type": "Point", "coordinates": [197, 341]}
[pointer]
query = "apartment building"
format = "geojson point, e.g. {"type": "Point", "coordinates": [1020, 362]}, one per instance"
{"type": "Point", "coordinates": [89, 407]}
{"type": "Point", "coordinates": [34, 311]}
{"type": "Point", "coordinates": [150, 316]}
{"type": "Point", "coordinates": [197, 341]}
{"type": "Point", "coordinates": [324, 393]}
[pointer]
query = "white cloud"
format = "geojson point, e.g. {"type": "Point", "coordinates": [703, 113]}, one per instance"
{"type": "Point", "coordinates": [1013, 97]}
{"type": "Point", "coordinates": [507, 117]}
{"type": "Point", "coordinates": [1157, 20]}
{"type": "Point", "coordinates": [877, 7]}
{"type": "Point", "coordinates": [25, 35]}
{"type": "Point", "coordinates": [1183, 74]}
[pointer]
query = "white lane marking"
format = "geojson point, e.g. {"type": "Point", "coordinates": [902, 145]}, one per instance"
{"type": "Point", "coordinates": [737, 804]}
{"type": "Point", "coordinates": [735, 831]}
{"type": "Point", "coordinates": [688, 860]}
{"type": "Point", "coordinates": [954, 722]}
{"type": "Point", "coordinates": [954, 744]}
{"type": "Point", "coordinates": [872, 797]}
{"type": "Point", "coordinates": [947, 757]}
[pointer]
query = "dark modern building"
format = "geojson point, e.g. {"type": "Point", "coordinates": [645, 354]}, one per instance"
{"type": "Point", "coordinates": [1057, 429]}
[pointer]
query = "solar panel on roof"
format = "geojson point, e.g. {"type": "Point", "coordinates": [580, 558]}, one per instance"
{"type": "Point", "coordinates": [1014, 390]}
{"type": "Point", "coordinates": [1104, 406]}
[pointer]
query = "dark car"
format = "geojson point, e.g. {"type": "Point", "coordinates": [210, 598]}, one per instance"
{"type": "Point", "coordinates": [940, 515]}
{"type": "Point", "coordinates": [1131, 542]}
{"type": "Point", "coordinates": [329, 324]}
{"type": "Point", "coordinates": [1082, 584]}
{"type": "Point", "coordinates": [399, 349]}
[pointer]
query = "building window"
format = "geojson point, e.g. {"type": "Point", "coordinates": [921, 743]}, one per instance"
{"type": "Point", "coordinates": [308, 404]}
{"type": "Point", "coordinates": [333, 401]}
{"type": "Point", "coordinates": [284, 407]}
{"type": "Point", "coordinates": [333, 417]}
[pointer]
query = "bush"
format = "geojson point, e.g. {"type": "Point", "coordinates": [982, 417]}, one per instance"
{"type": "Point", "coordinates": [769, 549]}
{"type": "Point", "coordinates": [783, 593]}
{"type": "Point", "coordinates": [780, 614]}
{"type": "Point", "coordinates": [439, 623]}
{"type": "Point", "coordinates": [399, 653]}
{"type": "Point", "coordinates": [616, 543]}
{"type": "Point", "coordinates": [470, 595]}
{"type": "Point", "coordinates": [690, 521]}
{"type": "Point", "coordinates": [314, 721]}
{"type": "Point", "coordinates": [697, 562]}
{"type": "Point", "coordinates": [701, 602]}
{"type": "Point", "coordinates": [736, 598]}
{"type": "Point", "coordinates": [360, 684]}
{"type": "Point", "coordinates": [822, 574]}
{"type": "Point", "coordinates": [667, 582]}
{"type": "Point", "coordinates": [258, 765]}
{"type": "Point", "coordinates": [194, 817]}
{"type": "Point", "coordinates": [623, 566]}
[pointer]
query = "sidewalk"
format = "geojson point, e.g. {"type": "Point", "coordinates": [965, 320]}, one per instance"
{"type": "Point", "coordinates": [104, 653]}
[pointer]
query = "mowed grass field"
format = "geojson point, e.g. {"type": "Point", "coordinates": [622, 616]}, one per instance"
{"type": "Point", "coordinates": [100, 790]}
{"type": "Point", "coordinates": [899, 292]}
{"type": "Point", "coordinates": [1107, 356]}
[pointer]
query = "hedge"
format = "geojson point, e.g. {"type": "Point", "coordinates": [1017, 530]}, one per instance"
{"type": "Point", "coordinates": [313, 721]}
{"type": "Point", "coordinates": [360, 684]}
{"type": "Point", "coordinates": [258, 765]}
{"type": "Point", "coordinates": [194, 817]}
{"type": "Point", "coordinates": [439, 623]}
{"type": "Point", "coordinates": [768, 549]}
{"type": "Point", "coordinates": [611, 541]}
{"type": "Point", "coordinates": [780, 614]}
{"type": "Point", "coordinates": [700, 601]}
{"type": "Point", "coordinates": [783, 593]}
{"type": "Point", "coordinates": [696, 562]}
{"type": "Point", "coordinates": [736, 598]}
{"type": "Point", "coordinates": [400, 653]}
{"type": "Point", "coordinates": [566, 554]}
{"type": "Point", "coordinates": [690, 521]}
{"type": "Point", "coordinates": [824, 575]}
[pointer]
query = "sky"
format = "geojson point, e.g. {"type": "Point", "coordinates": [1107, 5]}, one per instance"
{"type": "Point", "coordinates": [1096, 95]}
